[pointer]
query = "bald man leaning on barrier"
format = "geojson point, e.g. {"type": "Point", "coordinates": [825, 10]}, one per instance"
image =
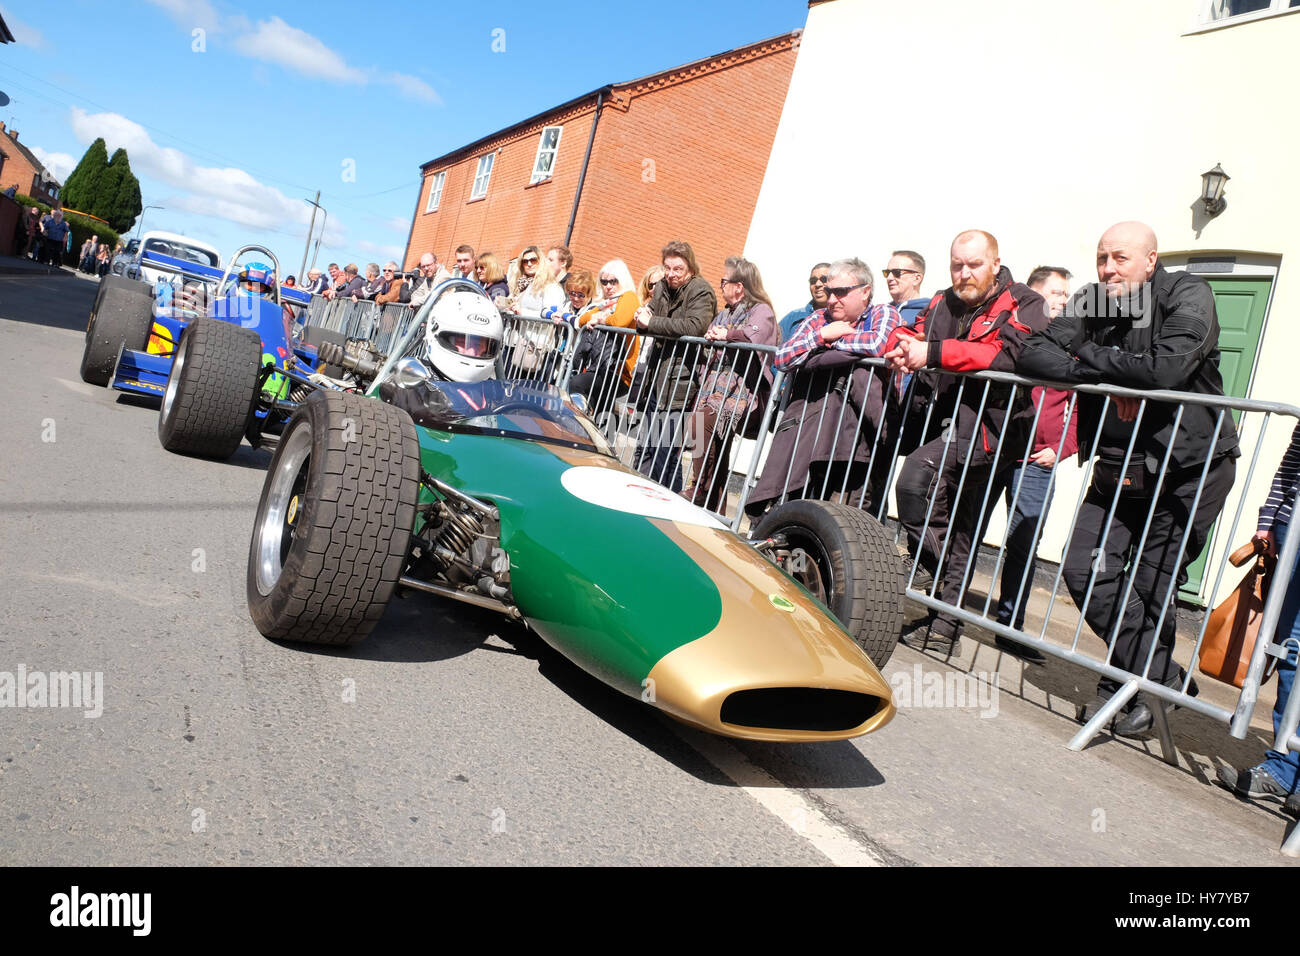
{"type": "Point", "coordinates": [1140, 327]}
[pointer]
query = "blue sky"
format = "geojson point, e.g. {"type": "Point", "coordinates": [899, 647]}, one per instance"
{"type": "Point", "coordinates": [231, 111]}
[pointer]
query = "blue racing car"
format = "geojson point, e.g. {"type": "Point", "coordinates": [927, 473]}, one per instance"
{"type": "Point", "coordinates": [217, 346]}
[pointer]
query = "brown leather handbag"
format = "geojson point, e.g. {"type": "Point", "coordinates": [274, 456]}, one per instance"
{"type": "Point", "coordinates": [1234, 625]}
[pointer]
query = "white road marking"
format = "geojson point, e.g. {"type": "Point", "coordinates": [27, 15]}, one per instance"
{"type": "Point", "coordinates": [789, 806]}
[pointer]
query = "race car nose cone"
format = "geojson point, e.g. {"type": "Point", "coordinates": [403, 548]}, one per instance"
{"type": "Point", "coordinates": [804, 690]}
{"type": "Point", "coordinates": [776, 667]}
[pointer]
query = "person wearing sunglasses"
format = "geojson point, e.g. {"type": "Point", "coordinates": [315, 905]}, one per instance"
{"type": "Point", "coordinates": [735, 384]}
{"type": "Point", "coordinates": [396, 283]}
{"type": "Point", "coordinates": [828, 389]}
{"type": "Point", "coordinates": [605, 363]}
{"type": "Point", "coordinates": [903, 277]}
{"type": "Point", "coordinates": [981, 322]}
{"type": "Point", "coordinates": [818, 276]}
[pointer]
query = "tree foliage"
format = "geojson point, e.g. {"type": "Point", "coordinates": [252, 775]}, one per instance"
{"type": "Point", "coordinates": [83, 184]}
{"type": "Point", "coordinates": [118, 195]}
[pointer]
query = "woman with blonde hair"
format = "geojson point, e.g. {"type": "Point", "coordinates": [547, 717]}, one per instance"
{"type": "Point", "coordinates": [599, 353]}
{"type": "Point", "coordinates": [519, 275]}
{"type": "Point", "coordinates": [648, 282]}
{"type": "Point", "coordinates": [541, 293]}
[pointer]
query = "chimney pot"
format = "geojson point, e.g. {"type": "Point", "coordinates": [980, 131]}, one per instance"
{"type": "Point", "coordinates": [13, 134]}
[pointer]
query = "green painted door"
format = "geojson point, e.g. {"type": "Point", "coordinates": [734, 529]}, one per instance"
{"type": "Point", "coordinates": [1240, 303]}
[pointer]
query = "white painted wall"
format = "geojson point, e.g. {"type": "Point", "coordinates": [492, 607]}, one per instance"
{"type": "Point", "coordinates": [1042, 121]}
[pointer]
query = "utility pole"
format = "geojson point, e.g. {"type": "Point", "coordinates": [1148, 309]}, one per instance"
{"type": "Point", "coordinates": [315, 204]}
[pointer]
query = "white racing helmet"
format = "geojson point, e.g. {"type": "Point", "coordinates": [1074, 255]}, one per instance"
{"type": "Point", "coordinates": [462, 336]}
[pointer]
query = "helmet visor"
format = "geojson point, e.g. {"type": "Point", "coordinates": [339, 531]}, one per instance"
{"type": "Point", "coordinates": [472, 346]}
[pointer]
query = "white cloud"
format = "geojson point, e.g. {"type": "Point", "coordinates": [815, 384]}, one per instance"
{"type": "Point", "coordinates": [189, 14]}
{"type": "Point", "coordinates": [398, 224]}
{"type": "Point", "coordinates": [23, 33]}
{"type": "Point", "coordinates": [226, 193]}
{"type": "Point", "coordinates": [413, 87]}
{"type": "Point", "coordinates": [275, 41]}
{"type": "Point", "coordinates": [60, 164]}
{"type": "Point", "coordinates": [281, 43]}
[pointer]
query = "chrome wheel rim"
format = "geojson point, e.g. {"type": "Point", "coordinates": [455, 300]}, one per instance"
{"type": "Point", "coordinates": [277, 524]}
{"type": "Point", "coordinates": [809, 565]}
{"type": "Point", "coordinates": [173, 382]}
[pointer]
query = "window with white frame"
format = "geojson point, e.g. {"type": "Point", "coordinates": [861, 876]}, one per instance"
{"type": "Point", "coordinates": [1215, 12]}
{"type": "Point", "coordinates": [482, 175]}
{"type": "Point", "coordinates": [435, 191]}
{"type": "Point", "coordinates": [547, 147]}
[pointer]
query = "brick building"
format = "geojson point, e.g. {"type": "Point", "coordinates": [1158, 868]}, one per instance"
{"type": "Point", "coordinates": [19, 167]}
{"type": "Point", "coordinates": [676, 155]}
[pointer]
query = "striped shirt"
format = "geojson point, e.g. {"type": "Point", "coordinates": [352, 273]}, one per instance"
{"type": "Point", "coordinates": [868, 338]}
{"type": "Point", "coordinates": [1281, 496]}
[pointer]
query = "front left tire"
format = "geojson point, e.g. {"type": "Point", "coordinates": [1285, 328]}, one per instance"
{"type": "Point", "coordinates": [334, 523]}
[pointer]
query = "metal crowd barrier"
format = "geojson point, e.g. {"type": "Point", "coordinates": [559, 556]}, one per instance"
{"type": "Point", "coordinates": [839, 433]}
{"type": "Point", "coordinates": [382, 326]}
{"type": "Point", "coordinates": [682, 411]}
{"type": "Point", "coordinates": [537, 351]}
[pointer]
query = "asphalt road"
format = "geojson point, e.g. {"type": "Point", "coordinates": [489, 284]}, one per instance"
{"type": "Point", "coordinates": [451, 736]}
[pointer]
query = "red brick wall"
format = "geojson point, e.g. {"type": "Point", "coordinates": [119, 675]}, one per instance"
{"type": "Point", "coordinates": [708, 140]}
{"type": "Point", "coordinates": [674, 158]}
{"type": "Point", "coordinates": [513, 214]}
{"type": "Point", "coordinates": [18, 171]}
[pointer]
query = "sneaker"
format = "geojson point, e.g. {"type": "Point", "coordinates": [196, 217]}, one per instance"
{"type": "Point", "coordinates": [1030, 655]}
{"type": "Point", "coordinates": [927, 638]}
{"type": "Point", "coordinates": [1257, 784]}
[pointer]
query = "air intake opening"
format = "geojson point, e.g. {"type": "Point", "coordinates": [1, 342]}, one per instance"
{"type": "Point", "coordinates": [798, 708]}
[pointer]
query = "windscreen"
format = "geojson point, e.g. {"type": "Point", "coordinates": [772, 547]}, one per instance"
{"type": "Point", "coordinates": [178, 250]}
{"type": "Point", "coordinates": [509, 409]}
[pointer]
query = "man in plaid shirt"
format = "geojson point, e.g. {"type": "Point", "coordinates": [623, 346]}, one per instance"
{"type": "Point", "coordinates": [806, 457]}
{"type": "Point", "coordinates": [849, 323]}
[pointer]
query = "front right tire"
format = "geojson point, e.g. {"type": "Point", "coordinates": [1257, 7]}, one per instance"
{"type": "Point", "coordinates": [335, 519]}
{"type": "Point", "coordinates": [211, 389]}
{"type": "Point", "coordinates": [847, 560]}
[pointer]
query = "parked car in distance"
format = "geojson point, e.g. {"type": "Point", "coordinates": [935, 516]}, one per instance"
{"type": "Point", "coordinates": [176, 247]}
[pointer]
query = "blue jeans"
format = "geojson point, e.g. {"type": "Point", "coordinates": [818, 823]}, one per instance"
{"type": "Point", "coordinates": [1022, 542]}
{"type": "Point", "coordinates": [1285, 767]}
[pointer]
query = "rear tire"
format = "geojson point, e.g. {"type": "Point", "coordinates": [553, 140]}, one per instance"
{"type": "Point", "coordinates": [121, 317]}
{"type": "Point", "coordinates": [211, 389]}
{"type": "Point", "coordinates": [334, 522]}
{"type": "Point", "coordinates": [846, 559]}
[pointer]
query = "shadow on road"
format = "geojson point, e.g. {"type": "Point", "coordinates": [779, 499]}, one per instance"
{"type": "Point", "coordinates": [52, 301]}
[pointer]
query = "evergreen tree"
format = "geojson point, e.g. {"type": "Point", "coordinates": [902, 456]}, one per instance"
{"type": "Point", "coordinates": [117, 198]}
{"type": "Point", "coordinates": [83, 184]}
{"type": "Point", "coordinates": [127, 205]}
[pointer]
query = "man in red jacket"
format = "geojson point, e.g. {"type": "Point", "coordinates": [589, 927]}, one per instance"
{"type": "Point", "coordinates": [980, 322]}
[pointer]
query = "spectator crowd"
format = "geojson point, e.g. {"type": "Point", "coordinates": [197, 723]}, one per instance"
{"type": "Point", "coordinates": [1159, 479]}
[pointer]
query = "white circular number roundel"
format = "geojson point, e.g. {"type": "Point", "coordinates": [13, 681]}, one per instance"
{"type": "Point", "coordinates": [632, 494]}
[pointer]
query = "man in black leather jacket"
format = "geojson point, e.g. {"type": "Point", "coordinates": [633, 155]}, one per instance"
{"type": "Point", "coordinates": [1140, 327]}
